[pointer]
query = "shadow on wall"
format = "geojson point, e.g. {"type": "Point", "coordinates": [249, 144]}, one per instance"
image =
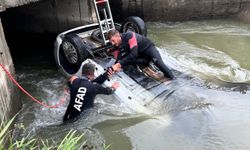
{"type": "Point", "coordinates": [26, 38]}
{"type": "Point", "coordinates": [31, 29]}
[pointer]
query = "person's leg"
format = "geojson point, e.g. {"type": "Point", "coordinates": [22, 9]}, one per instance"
{"type": "Point", "coordinates": [156, 58]}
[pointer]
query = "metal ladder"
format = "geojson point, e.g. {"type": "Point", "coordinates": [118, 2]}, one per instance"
{"type": "Point", "coordinates": [104, 17]}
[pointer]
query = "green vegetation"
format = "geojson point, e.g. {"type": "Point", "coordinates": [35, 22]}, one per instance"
{"type": "Point", "coordinates": [71, 141]}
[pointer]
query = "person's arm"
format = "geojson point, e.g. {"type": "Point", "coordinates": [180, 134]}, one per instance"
{"type": "Point", "coordinates": [72, 79]}
{"type": "Point", "coordinates": [106, 90]}
{"type": "Point", "coordinates": [69, 113]}
{"type": "Point", "coordinates": [133, 46]}
{"type": "Point", "coordinates": [101, 78]}
{"type": "Point", "coordinates": [103, 90]}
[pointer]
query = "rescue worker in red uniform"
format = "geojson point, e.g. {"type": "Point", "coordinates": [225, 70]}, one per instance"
{"type": "Point", "coordinates": [132, 48]}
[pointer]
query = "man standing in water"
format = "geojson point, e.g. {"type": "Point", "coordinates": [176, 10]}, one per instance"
{"type": "Point", "coordinates": [133, 48]}
{"type": "Point", "coordinates": [83, 90]}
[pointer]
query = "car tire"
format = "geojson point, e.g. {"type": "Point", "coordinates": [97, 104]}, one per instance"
{"type": "Point", "coordinates": [73, 51]}
{"type": "Point", "coordinates": [135, 24]}
{"type": "Point", "coordinates": [96, 35]}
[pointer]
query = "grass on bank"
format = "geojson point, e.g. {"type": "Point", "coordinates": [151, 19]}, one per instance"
{"type": "Point", "coordinates": [70, 142]}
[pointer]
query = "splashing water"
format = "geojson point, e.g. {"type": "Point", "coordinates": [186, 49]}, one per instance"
{"type": "Point", "coordinates": [205, 109]}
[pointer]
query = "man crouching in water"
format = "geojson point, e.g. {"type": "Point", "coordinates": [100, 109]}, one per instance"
{"type": "Point", "coordinates": [83, 90]}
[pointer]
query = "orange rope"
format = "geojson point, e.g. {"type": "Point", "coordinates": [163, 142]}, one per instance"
{"type": "Point", "coordinates": [29, 95]}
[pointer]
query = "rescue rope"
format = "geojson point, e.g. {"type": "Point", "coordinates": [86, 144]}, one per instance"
{"type": "Point", "coordinates": [29, 95]}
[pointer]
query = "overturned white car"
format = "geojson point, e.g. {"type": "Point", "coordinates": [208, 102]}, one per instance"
{"type": "Point", "coordinates": [88, 43]}
{"type": "Point", "coordinates": [74, 46]}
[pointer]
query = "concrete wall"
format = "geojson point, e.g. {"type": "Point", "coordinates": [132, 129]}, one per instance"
{"type": "Point", "coordinates": [244, 14]}
{"type": "Point", "coordinates": [13, 3]}
{"type": "Point", "coordinates": [180, 10]}
{"type": "Point", "coordinates": [55, 16]}
{"type": "Point", "coordinates": [10, 103]}
{"type": "Point", "coordinates": [52, 16]}
{"type": "Point", "coordinates": [9, 95]}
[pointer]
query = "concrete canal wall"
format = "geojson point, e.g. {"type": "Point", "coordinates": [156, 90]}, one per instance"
{"type": "Point", "coordinates": [244, 14]}
{"type": "Point", "coordinates": [9, 96]}
{"type": "Point", "coordinates": [181, 10]}
{"type": "Point", "coordinates": [10, 102]}
{"type": "Point", "coordinates": [55, 16]}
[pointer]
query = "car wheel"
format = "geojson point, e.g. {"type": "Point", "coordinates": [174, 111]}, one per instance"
{"type": "Point", "coordinates": [96, 35]}
{"type": "Point", "coordinates": [135, 24]}
{"type": "Point", "coordinates": [72, 52]}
